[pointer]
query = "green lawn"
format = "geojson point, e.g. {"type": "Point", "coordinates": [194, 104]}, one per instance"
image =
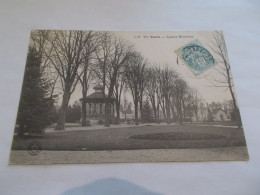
{"type": "Point", "coordinates": [139, 137]}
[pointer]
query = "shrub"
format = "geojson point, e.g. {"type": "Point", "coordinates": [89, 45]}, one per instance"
{"type": "Point", "coordinates": [88, 123]}
{"type": "Point", "coordinates": [100, 122]}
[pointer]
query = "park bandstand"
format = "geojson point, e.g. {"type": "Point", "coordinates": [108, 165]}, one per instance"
{"type": "Point", "coordinates": [95, 106]}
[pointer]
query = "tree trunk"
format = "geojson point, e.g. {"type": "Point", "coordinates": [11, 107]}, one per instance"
{"type": "Point", "coordinates": [154, 110]}
{"type": "Point", "coordinates": [183, 109]}
{"type": "Point", "coordinates": [196, 114]}
{"type": "Point", "coordinates": [179, 110]}
{"type": "Point", "coordinates": [141, 108]}
{"type": "Point", "coordinates": [84, 97]}
{"type": "Point", "coordinates": [136, 111]}
{"type": "Point", "coordinates": [109, 95]}
{"type": "Point", "coordinates": [158, 109]}
{"type": "Point", "coordinates": [107, 122]}
{"type": "Point", "coordinates": [62, 113]}
{"type": "Point", "coordinates": [168, 119]}
{"type": "Point", "coordinates": [117, 113]}
{"type": "Point", "coordinates": [84, 112]}
{"type": "Point", "coordinates": [190, 118]}
{"type": "Point", "coordinates": [173, 110]}
{"type": "Point", "coordinates": [158, 114]}
{"type": "Point", "coordinates": [237, 114]}
{"type": "Point", "coordinates": [164, 110]}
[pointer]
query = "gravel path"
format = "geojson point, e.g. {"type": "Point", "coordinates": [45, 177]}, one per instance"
{"type": "Point", "coordinates": [131, 156]}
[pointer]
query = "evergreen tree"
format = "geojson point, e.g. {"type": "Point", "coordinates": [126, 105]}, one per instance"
{"type": "Point", "coordinates": [147, 112]}
{"type": "Point", "coordinates": [35, 106]}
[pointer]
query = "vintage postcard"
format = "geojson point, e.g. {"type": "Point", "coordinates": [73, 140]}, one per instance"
{"type": "Point", "coordinates": [105, 97]}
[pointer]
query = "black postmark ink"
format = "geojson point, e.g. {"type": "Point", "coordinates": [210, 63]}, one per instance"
{"type": "Point", "coordinates": [34, 148]}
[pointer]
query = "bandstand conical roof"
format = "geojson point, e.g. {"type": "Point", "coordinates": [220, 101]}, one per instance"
{"type": "Point", "coordinates": [98, 86]}
{"type": "Point", "coordinates": [98, 95]}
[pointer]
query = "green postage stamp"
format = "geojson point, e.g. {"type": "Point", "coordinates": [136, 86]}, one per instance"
{"type": "Point", "coordinates": [196, 57]}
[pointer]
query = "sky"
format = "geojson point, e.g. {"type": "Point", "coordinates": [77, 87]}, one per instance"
{"type": "Point", "coordinates": [159, 49]}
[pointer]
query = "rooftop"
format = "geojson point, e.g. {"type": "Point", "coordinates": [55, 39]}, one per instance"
{"type": "Point", "coordinates": [98, 86]}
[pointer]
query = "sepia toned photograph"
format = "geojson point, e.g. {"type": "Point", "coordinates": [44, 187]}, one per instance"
{"type": "Point", "coordinates": [125, 97]}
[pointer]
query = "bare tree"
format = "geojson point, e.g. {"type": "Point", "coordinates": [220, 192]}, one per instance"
{"type": "Point", "coordinates": [223, 68]}
{"type": "Point", "coordinates": [87, 75]}
{"type": "Point", "coordinates": [125, 105]}
{"type": "Point", "coordinates": [167, 78]}
{"type": "Point", "coordinates": [66, 54]}
{"type": "Point", "coordinates": [158, 95]}
{"type": "Point", "coordinates": [180, 88]}
{"type": "Point", "coordinates": [151, 89]}
{"type": "Point", "coordinates": [161, 95]}
{"type": "Point", "coordinates": [112, 56]}
{"type": "Point", "coordinates": [119, 86]}
{"type": "Point", "coordinates": [173, 105]}
{"type": "Point", "coordinates": [103, 56]}
{"type": "Point", "coordinates": [194, 102]}
{"type": "Point", "coordinates": [203, 110]}
{"type": "Point", "coordinates": [142, 85]}
{"type": "Point", "coordinates": [134, 73]}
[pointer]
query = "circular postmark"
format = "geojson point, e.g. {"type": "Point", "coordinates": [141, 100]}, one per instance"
{"type": "Point", "coordinates": [196, 57]}
{"type": "Point", "coordinates": [34, 148]}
